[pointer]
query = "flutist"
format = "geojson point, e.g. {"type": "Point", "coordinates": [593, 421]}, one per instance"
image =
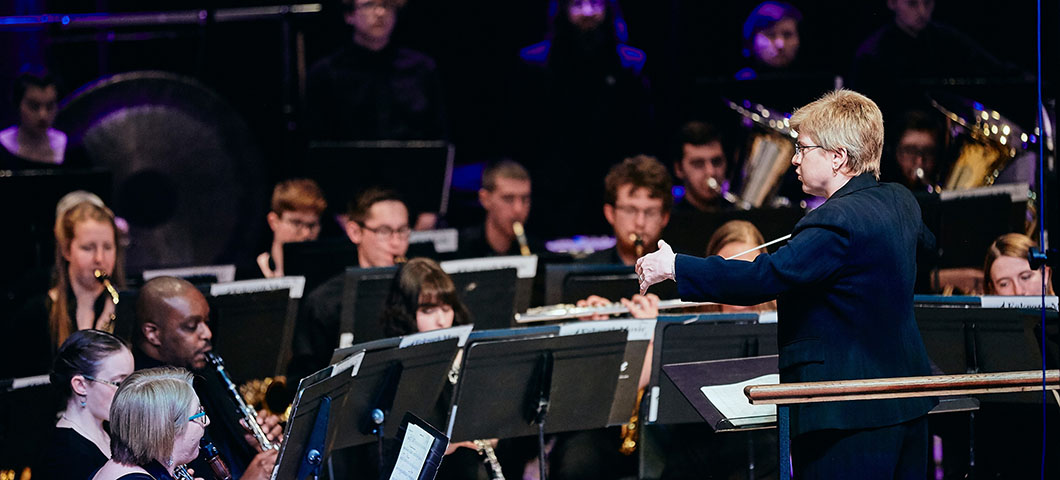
{"type": "Point", "coordinates": [172, 330]}
{"type": "Point", "coordinates": [505, 196]}
{"type": "Point", "coordinates": [844, 289]}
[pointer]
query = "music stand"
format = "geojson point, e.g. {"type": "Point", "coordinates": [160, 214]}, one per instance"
{"type": "Point", "coordinates": [726, 409]}
{"type": "Point", "coordinates": [696, 338]}
{"type": "Point", "coordinates": [556, 384]}
{"type": "Point", "coordinates": [276, 334]}
{"type": "Point", "coordinates": [638, 336]}
{"type": "Point", "coordinates": [689, 231]}
{"type": "Point", "coordinates": [311, 428]}
{"type": "Point", "coordinates": [420, 171]}
{"type": "Point", "coordinates": [364, 295]}
{"type": "Point", "coordinates": [318, 260]}
{"type": "Point", "coordinates": [526, 268]}
{"type": "Point", "coordinates": [570, 283]}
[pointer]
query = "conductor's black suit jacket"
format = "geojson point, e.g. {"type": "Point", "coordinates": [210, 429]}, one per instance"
{"type": "Point", "coordinates": [844, 290]}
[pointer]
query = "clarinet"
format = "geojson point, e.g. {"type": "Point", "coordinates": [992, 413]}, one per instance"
{"type": "Point", "coordinates": [249, 415]}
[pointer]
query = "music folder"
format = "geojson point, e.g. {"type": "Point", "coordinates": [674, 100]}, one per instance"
{"type": "Point", "coordinates": [715, 389]}
{"type": "Point", "coordinates": [572, 377]}
{"type": "Point", "coordinates": [420, 451]}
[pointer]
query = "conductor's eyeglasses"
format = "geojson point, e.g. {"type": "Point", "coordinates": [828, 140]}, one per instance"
{"type": "Point", "coordinates": [800, 149]}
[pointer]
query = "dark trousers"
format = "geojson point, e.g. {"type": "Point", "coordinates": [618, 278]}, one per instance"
{"type": "Point", "coordinates": [892, 452]}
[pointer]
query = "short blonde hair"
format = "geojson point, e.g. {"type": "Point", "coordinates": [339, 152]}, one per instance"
{"type": "Point", "coordinates": [149, 411]}
{"type": "Point", "coordinates": [848, 120]}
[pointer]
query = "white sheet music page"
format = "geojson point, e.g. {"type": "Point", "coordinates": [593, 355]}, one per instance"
{"type": "Point", "coordinates": [413, 454]}
{"type": "Point", "coordinates": [733, 404]}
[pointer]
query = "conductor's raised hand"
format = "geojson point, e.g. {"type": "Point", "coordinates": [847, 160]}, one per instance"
{"type": "Point", "coordinates": [656, 266]}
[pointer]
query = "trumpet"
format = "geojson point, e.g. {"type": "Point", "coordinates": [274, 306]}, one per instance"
{"type": "Point", "coordinates": [520, 235]}
{"type": "Point", "coordinates": [249, 415]}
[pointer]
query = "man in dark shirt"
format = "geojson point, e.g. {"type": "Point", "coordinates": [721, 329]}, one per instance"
{"type": "Point", "coordinates": [700, 162]}
{"type": "Point", "coordinates": [172, 329]}
{"type": "Point", "coordinates": [372, 90]}
{"type": "Point", "coordinates": [637, 204]}
{"type": "Point", "coordinates": [379, 225]}
{"type": "Point", "coordinates": [505, 195]}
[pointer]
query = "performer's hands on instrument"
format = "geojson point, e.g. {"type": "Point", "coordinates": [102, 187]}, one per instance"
{"type": "Point", "coordinates": [270, 424]}
{"type": "Point", "coordinates": [642, 306]}
{"type": "Point", "coordinates": [656, 266]}
{"type": "Point", "coordinates": [261, 466]}
{"type": "Point", "coordinates": [468, 444]}
{"type": "Point", "coordinates": [594, 301]}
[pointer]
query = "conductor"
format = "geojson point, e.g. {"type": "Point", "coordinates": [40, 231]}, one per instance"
{"type": "Point", "coordinates": [844, 290]}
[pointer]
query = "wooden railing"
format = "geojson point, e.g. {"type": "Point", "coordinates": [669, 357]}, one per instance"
{"type": "Point", "coordinates": [902, 387]}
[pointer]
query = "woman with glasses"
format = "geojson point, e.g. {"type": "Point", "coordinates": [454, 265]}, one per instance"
{"type": "Point", "coordinates": [844, 290]}
{"type": "Point", "coordinates": [156, 422]}
{"type": "Point", "coordinates": [87, 371]}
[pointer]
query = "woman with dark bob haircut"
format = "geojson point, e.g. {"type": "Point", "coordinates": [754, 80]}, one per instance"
{"type": "Point", "coordinates": [422, 298]}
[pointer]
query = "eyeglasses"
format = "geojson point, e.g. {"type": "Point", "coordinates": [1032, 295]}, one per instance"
{"type": "Point", "coordinates": [388, 232]}
{"type": "Point", "coordinates": [915, 151]}
{"type": "Point", "coordinates": [200, 417]}
{"type": "Point", "coordinates": [633, 212]}
{"type": "Point", "coordinates": [300, 225]}
{"type": "Point", "coordinates": [100, 380]}
{"type": "Point", "coordinates": [800, 149]}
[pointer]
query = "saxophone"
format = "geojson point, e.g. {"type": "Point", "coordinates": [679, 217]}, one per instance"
{"type": "Point", "coordinates": [104, 278]}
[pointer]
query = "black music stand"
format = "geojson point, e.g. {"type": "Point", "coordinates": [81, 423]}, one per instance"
{"type": "Point", "coordinates": [318, 260]}
{"type": "Point", "coordinates": [697, 338]}
{"type": "Point", "coordinates": [490, 296]}
{"type": "Point", "coordinates": [638, 336]}
{"type": "Point", "coordinates": [556, 383]}
{"type": "Point", "coordinates": [310, 434]}
{"type": "Point", "coordinates": [270, 315]}
{"type": "Point", "coordinates": [570, 283]}
{"type": "Point", "coordinates": [691, 377]}
{"type": "Point", "coordinates": [364, 295]}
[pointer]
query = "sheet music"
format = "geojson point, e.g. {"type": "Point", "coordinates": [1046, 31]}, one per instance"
{"type": "Point", "coordinates": [640, 329]}
{"type": "Point", "coordinates": [444, 240]}
{"type": "Point", "coordinates": [352, 363]}
{"type": "Point", "coordinates": [730, 400]}
{"type": "Point", "coordinates": [413, 454]}
{"type": "Point", "coordinates": [461, 332]}
{"type": "Point", "coordinates": [296, 284]}
{"type": "Point", "coordinates": [224, 273]}
{"type": "Point", "coordinates": [1012, 301]}
{"type": "Point", "coordinates": [525, 267]}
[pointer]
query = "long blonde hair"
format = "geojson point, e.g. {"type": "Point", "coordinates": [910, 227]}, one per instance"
{"type": "Point", "coordinates": [60, 322]}
{"type": "Point", "coordinates": [1015, 245]}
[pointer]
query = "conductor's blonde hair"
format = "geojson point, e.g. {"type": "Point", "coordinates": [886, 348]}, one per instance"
{"type": "Point", "coordinates": [844, 119]}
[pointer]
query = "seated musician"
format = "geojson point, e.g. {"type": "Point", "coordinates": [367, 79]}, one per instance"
{"type": "Point", "coordinates": [505, 195]}
{"type": "Point", "coordinates": [147, 443]}
{"type": "Point", "coordinates": [734, 237]}
{"type": "Point", "coordinates": [295, 217]}
{"type": "Point", "coordinates": [172, 330]}
{"type": "Point", "coordinates": [637, 202]}
{"type": "Point", "coordinates": [379, 224]}
{"type": "Point", "coordinates": [32, 143]}
{"type": "Point", "coordinates": [86, 373]}
{"type": "Point", "coordinates": [699, 156]}
{"type": "Point", "coordinates": [1006, 270]}
{"type": "Point", "coordinates": [917, 153]}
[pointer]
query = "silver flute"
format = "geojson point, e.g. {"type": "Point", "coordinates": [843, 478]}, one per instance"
{"type": "Point", "coordinates": [249, 415]}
